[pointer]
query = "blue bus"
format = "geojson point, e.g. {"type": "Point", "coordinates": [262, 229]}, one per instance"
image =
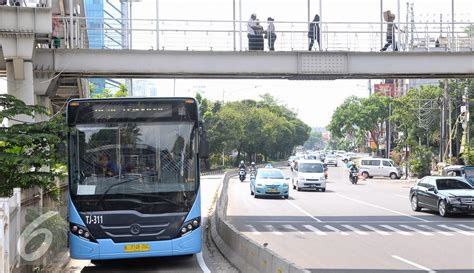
{"type": "Point", "coordinates": [134, 177]}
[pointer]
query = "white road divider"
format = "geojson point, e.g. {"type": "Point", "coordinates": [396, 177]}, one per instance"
{"type": "Point", "coordinates": [246, 255]}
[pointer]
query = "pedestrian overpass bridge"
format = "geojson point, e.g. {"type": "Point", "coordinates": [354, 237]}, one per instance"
{"type": "Point", "coordinates": [292, 65]}
{"type": "Point", "coordinates": [160, 48]}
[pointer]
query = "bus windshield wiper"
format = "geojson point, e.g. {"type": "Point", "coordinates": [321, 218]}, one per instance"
{"type": "Point", "coordinates": [113, 185]}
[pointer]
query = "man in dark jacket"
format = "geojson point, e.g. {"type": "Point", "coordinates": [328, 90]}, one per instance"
{"type": "Point", "coordinates": [314, 33]}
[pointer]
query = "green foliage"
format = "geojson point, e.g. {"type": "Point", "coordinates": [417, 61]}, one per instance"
{"type": "Point", "coordinates": [30, 153]}
{"type": "Point", "coordinates": [357, 117]}
{"type": "Point", "coordinates": [420, 162]}
{"type": "Point", "coordinates": [468, 157]}
{"type": "Point", "coordinates": [122, 92]}
{"type": "Point", "coordinates": [251, 128]}
{"type": "Point", "coordinates": [107, 93]}
{"type": "Point", "coordinates": [315, 141]}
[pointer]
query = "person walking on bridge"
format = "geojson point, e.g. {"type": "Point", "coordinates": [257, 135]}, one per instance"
{"type": "Point", "coordinates": [251, 31]}
{"type": "Point", "coordinates": [314, 33]}
{"type": "Point", "coordinates": [391, 26]}
{"type": "Point", "coordinates": [270, 34]}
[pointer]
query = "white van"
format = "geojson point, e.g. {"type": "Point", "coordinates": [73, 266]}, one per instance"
{"type": "Point", "coordinates": [370, 167]}
{"type": "Point", "coordinates": [310, 175]}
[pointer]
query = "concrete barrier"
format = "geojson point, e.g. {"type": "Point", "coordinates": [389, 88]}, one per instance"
{"type": "Point", "coordinates": [245, 254]}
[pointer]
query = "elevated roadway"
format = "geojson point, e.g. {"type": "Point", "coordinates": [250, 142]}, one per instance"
{"type": "Point", "coordinates": [293, 65]}
{"type": "Point", "coordinates": [368, 227]}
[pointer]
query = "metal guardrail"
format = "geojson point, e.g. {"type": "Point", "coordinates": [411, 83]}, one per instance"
{"type": "Point", "coordinates": [225, 35]}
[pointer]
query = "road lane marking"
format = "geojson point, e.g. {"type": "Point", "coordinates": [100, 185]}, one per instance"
{"type": "Point", "coordinates": [417, 230]}
{"type": "Point", "coordinates": [457, 230]}
{"type": "Point", "coordinates": [360, 232]}
{"type": "Point", "coordinates": [465, 226]}
{"type": "Point", "coordinates": [381, 232]}
{"type": "Point", "coordinates": [397, 230]}
{"type": "Point", "coordinates": [402, 196]}
{"type": "Point", "coordinates": [336, 230]}
{"type": "Point", "coordinates": [303, 211]}
{"type": "Point", "coordinates": [315, 230]}
{"type": "Point", "coordinates": [202, 264]}
{"type": "Point", "coordinates": [437, 231]}
{"type": "Point", "coordinates": [273, 230]}
{"type": "Point", "coordinates": [293, 229]}
{"type": "Point", "coordinates": [380, 207]}
{"type": "Point", "coordinates": [413, 264]}
{"type": "Point", "coordinates": [253, 230]}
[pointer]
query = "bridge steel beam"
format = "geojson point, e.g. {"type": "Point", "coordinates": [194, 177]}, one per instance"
{"type": "Point", "coordinates": [294, 65]}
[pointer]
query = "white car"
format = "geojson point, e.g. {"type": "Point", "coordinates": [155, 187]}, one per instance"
{"type": "Point", "coordinates": [330, 160]}
{"type": "Point", "coordinates": [371, 166]}
{"type": "Point", "coordinates": [309, 175]}
{"type": "Point", "coordinates": [349, 156]}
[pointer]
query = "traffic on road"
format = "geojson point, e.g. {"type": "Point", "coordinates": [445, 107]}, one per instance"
{"type": "Point", "coordinates": [371, 226]}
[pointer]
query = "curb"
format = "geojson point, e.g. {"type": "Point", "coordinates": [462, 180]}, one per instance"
{"type": "Point", "coordinates": [246, 255]}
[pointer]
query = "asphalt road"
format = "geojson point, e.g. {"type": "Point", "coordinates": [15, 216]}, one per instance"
{"type": "Point", "coordinates": [368, 227]}
{"type": "Point", "coordinates": [209, 260]}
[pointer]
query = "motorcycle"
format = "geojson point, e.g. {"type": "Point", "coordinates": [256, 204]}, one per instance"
{"type": "Point", "coordinates": [354, 176]}
{"type": "Point", "coordinates": [325, 169]}
{"type": "Point", "coordinates": [242, 174]}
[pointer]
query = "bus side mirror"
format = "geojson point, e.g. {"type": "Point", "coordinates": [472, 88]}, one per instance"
{"type": "Point", "coordinates": [203, 145]}
{"type": "Point", "coordinates": [203, 148]}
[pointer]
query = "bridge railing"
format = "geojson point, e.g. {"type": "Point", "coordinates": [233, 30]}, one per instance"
{"type": "Point", "coordinates": [222, 35]}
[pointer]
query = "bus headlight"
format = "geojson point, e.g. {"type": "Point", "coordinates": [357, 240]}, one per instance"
{"type": "Point", "coordinates": [189, 226]}
{"type": "Point", "coordinates": [81, 232]}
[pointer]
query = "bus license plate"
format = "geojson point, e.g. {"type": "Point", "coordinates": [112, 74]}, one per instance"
{"type": "Point", "coordinates": [137, 248]}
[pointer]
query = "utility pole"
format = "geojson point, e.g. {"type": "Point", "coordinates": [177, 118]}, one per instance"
{"type": "Point", "coordinates": [389, 131]}
{"type": "Point", "coordinates": [370, 87]}
{"type": "Point", "coordinates": [174, 87]}
{"type": "Point", "coordinates": [444, 140]}
{"type": "Point", "coordinates": [465, 126]}
{"type": "Point", "coordinates": [450, 154]}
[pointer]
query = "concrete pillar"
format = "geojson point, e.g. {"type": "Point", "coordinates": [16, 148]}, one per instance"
{"type": "Point", "coordinates": [19, 28]}
{"type": "Point", "coordinates": [44, 101]}
{"type": "Point", "coordinates": [22, 89]}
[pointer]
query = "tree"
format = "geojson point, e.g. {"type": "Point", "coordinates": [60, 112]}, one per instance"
{"type": "Point", "coordinates": [122, 92]}
{"type": "Point", "coordinates": [107, 93]}
{"type": "Point", "coordinates": [31, 154]}
{"type": "Point", "coordinates": [357, 116]}
{"type": "Point", "coordinates": [315, 141]}
{"type": "Point", "coordinates": [252, 128]}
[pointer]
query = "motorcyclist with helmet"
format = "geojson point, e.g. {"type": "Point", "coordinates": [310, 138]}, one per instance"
{"type": "Point", "coordinates": [242, 171]}
{"type": "Point", "coordinates": [242, 165]}
{"type": "Point", "coordinates": [253, 168]}
{"type": "Point", "coordinates": [352, 168]}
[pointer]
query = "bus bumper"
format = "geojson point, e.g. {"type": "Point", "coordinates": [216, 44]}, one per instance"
{"type": "Point", "coordinates": [106, 249]}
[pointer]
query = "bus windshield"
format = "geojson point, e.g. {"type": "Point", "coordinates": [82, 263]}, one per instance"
{"type": "Point", "coordinates": [135, 164]}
